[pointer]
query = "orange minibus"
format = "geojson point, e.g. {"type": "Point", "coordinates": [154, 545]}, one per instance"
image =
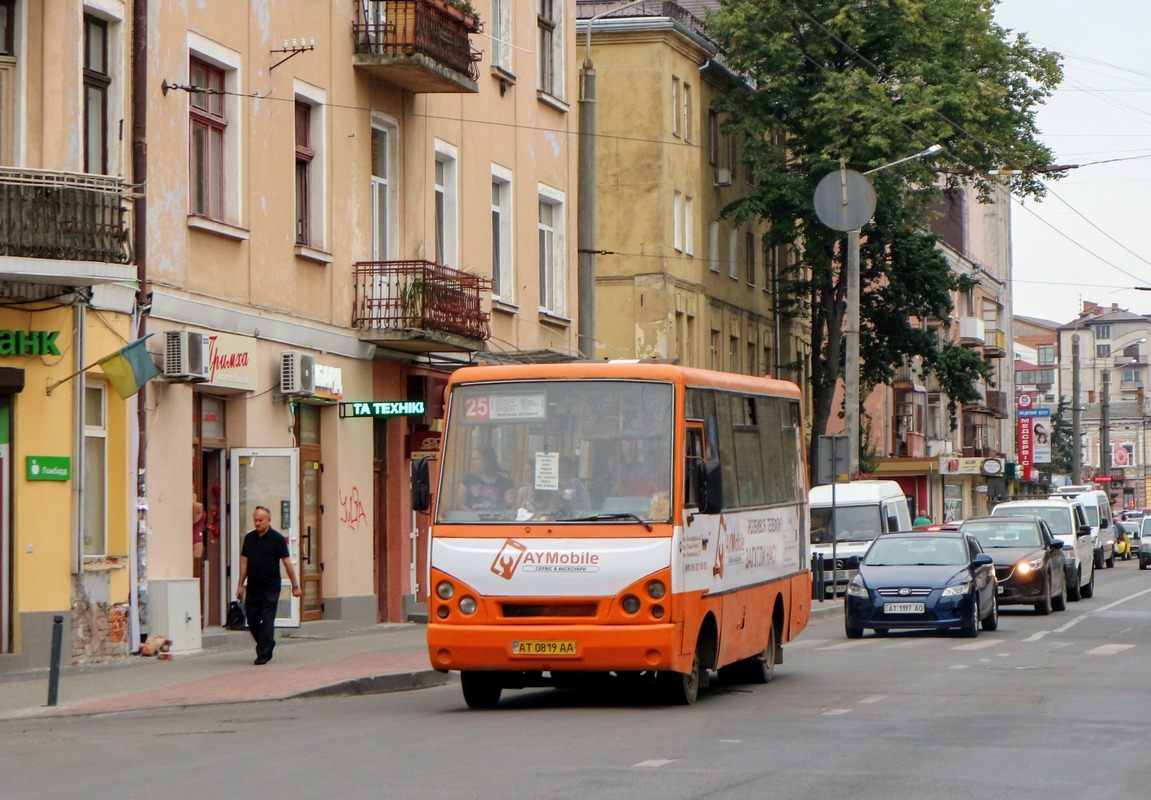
{"type": "Point", "coordinates": [605, 520]}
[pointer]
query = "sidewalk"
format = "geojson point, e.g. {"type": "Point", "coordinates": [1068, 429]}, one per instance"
{"type": "Point", "coordinates": [325, 658]}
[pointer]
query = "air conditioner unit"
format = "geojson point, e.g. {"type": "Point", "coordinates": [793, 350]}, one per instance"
{"type": "Point", "coordinates": [722, 177]}
{"type": "Point", "coordinates": [297, 374]}
{"type": "Point", "coordinates": [186, 356]}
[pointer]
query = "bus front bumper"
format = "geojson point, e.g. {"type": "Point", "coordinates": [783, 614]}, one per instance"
{"type": "Point", "coordinates": [554, 648]}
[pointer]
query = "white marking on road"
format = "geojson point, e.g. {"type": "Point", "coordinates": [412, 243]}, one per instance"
{"type": "Point", "coordinates": [959, 666]}
{"type": "Point", "coordinates": [654, 762]}
{"type": "Point", "coordinates": [1108, 649]}
{"type": "Point", "coordinates": [976, 645]}
{"type": "Point", "coordinates": [834, 712]}
{"type": "Point", "coordinates": [730, 741]}
{"type": "Point", "coordinates": [845, 645]}
{"type": "Point", "coordinates": [1035, 637]}
{"type": "Point", "coordinates": [875, 698]}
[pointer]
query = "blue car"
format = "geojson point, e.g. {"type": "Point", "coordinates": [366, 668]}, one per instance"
{"type": "Point", "coordinates": [923, 579]}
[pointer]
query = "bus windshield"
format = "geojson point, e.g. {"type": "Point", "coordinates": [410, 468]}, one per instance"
{"type": "Point", "coordinates": [559, 450]}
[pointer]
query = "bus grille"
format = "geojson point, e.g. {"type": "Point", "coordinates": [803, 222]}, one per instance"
{"type": "Point", "coordinates": [549, 610]}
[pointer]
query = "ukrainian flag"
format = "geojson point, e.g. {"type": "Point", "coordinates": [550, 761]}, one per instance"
{"type": "Point", "coordinates": [130, 367]}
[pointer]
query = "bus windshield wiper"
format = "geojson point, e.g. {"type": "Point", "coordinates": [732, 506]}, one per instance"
{"type": "Point", "coordinates": [602, 517]}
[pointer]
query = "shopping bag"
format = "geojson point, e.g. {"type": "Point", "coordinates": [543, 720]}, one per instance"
{"type": "Point", "coordinates": [237, 619]}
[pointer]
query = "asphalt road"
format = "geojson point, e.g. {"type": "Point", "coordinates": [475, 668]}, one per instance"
{"type": "Point", "coordinates": [1045, 707]}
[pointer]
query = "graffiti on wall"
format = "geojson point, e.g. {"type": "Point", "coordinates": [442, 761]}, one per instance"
{"type": "Point", "coordinates": [352, 511]}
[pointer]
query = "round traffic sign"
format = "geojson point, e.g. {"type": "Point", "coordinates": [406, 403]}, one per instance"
{"type": "Point", "coordinates": [844, 200]}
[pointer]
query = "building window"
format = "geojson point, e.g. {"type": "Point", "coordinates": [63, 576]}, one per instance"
{"type": "Point", "coordinates": [1102, 350]}
{"type": "Point", "coordinates": [733, 354]}
{"type": "Point", "coordinates": [503, 283]}
{"type": "Point", "coordinates": [446, 206]}
{"type": "Point", "coordinates": [677, 221]}
{"type": "Point", "coordinates": [95, 537]}
{"type": "Point", "coordinates": [7, 81]}
{"type": "Point", "coordinates": [1102, 331]}
{"type": "Point", "coordinates": [304, 156]}
{"type": "Point", "coordinates": [712, 138]}
{"type": "Point", "coordinates": [209, 125]}
{"type": "Point", "coordinates": [384, 244]}
{"type": "Point", "coordinates": [686, 112]}
{"type": "Point", "coordinates": [714, 349]}
{"type": "Point", "coordinates": [97, 81]}
{"type": "Point", "coordinates": [675, 106]}
{"type": "Point", "coordinates": [732, 256]}
{"type": "Point", "coordinates": [688, 226]}
{"type": "Point", "coordinates": [502, 34]}
{"type": "Point", "coordinates": [550, 47]}
{"type": "Point", "coordinates": [551, 253]}
{"type": "Point", "coordinates": [752, 368]}
{"type": "Point", "coordinates": [749, 254]}
{"type": "Point", "coordinates": [1046, 354]}
{"type": "Point", "coordinates": [713, 245]}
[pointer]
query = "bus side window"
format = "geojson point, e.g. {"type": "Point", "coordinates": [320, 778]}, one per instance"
{"type": "Point", "coordinates": [693, 454]}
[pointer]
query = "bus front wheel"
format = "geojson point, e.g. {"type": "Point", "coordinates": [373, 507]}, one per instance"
{"type": "Point", "coordinates": [481, 689]}
{"type": "Point", "coordinates": [682, 688]}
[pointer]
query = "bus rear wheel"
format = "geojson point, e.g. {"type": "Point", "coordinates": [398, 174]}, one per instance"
{"type": "Point", "coordinates": [759, 668]}
{"type": "Point", "coordinates": [481, 689]}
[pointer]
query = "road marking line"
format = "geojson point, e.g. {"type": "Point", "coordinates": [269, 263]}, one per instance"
{"type": "Point", "coordinates": [875, 698]}
{"type": "Point", "coordinates": [1035, 637]}
{"type": "Point", "coordinates": [845, 645]}
{"type": "Point", "coordinates": [655, 762]}
{"type": "Point", "coordinates": [976, 645]}
{"type": "Point", "coordinates": [1108, 649]}
{"type": "Point", "coordinates": [959, 666]}
{"type": "Point", "coordinates": [834, 712]}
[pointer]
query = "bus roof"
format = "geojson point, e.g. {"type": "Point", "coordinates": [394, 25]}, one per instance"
{"type": "Point", "coordinates": [633, 370]}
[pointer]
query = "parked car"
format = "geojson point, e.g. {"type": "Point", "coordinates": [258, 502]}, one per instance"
{"type": "Point", "coordinates": [1145, 542]}
{"type": "Point", "coordinates": [922, 579]}
{"type": "Point", "coordinates": [1127, 539]}
{"type": "Point", "coordinates": [1068, 522]}
{"type": "Point", "coordinates": [1029, 564]}
{"type": "Point", "coordinates": [1097, 507]}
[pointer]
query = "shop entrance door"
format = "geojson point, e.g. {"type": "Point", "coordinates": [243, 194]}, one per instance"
{"type": "Point", "coordinates": [267, 477]}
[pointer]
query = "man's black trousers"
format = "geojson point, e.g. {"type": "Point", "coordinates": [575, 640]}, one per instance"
{"type": "Point", "coordinates": [260, 605]}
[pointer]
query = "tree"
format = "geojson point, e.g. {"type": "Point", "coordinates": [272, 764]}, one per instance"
{"type": "Point", "coordinates": [1062, 443]}
{"type": "Point", "coordinates": [866, 82]}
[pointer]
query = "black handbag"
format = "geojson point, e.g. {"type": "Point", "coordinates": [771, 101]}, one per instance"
{"type": "Point", "coordinates": [237, 619]}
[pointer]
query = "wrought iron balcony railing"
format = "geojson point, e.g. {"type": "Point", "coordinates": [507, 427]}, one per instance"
{"type": "Point", "coordinates": [586, 9]}
{"type": "Point", "coordinates": [394, 37]}
{"type": "Point", "coordinates": [400, 296]}
{"type": "Point", "coordinates": [64, 216]}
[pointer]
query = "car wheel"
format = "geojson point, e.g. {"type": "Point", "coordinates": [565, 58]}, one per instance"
{"type": "Point", "coordinates": [970, 628]}
{"type": "Point", "coordinates": [1098, 559]}
{"type": "Point", "coordinates": [1074, 589]}
{"type": "Point", "coordinates": [1089, 589]}
{"type": "Point", "coordinates": [852, 631]}
{"type": "Point", "coordinates": [1043, 607]}
{"type": "Point", "coordinates": [1111, 561]}
{"type": "Point", "coordinates": [1142, 563]}
{"type": "Point", "coordinates": [1059, 601]}
{"type": "Point", "coordinates": [991, 621]}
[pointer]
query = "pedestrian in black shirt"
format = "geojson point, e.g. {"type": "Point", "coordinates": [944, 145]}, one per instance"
{"type": "Point", "coordinates": [263, 551]}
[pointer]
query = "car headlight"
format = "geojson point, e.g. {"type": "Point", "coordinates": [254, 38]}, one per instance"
{"type": "Point", "coordinates": [856, 588]}
{"type": "Point", "coordinates": [957, 589]}
{"type": "Point", "coordinates": [1024, 567]}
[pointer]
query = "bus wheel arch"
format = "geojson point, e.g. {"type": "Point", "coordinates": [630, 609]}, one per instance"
{"type": "Point", "coordinates": [682, 688]}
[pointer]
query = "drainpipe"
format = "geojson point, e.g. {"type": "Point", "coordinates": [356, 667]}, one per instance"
{"type": "Point", "coordinates": [138, 544]}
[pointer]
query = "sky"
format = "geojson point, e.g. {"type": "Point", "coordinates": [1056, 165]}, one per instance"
{"type": "Point", "coordinates": [1089, 239]}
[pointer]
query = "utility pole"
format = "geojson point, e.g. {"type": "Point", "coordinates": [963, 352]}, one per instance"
{"type": "Point", "coordinates": [1076, 419]}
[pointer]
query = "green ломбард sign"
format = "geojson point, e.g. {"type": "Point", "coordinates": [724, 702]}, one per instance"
{"type": "Point", "coordinates": [49, 468]}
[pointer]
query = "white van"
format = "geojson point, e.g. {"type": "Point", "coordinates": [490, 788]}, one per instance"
{"type": "Point", "coordinates": [863, 510]}
{"type": "Point", "coordinates": [1097, 506]}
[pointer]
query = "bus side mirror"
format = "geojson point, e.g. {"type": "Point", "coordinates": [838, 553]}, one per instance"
{"type": "Point", "coordinates": [421, 485]}
{"type": "Point", "coordinates": [709, 486]}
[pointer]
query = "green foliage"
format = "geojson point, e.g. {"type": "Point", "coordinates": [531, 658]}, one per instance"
{"type": "Point", "coordinates": [1062, 442]}
{"type": "Point", "coordinates": [869, 83]}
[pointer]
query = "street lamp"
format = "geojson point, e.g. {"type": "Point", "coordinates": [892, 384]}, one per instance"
{"type": "Point", "coordinates": [845, 201]}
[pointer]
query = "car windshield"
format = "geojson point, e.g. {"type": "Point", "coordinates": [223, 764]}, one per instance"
{"type": "Point", "coordinates": [1000, 534]}
{"type": "Point", "coordinates": [852, 523]}
{"type": "Point", "coordinates": [1057, 517]}
{"type": "Point", "coordinates": [907, 552]}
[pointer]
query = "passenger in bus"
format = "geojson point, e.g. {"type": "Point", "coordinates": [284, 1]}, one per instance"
{"type": "Point", "coordinates": [487, 486]}
{"type": "Point", "coordinates": [573, 492]}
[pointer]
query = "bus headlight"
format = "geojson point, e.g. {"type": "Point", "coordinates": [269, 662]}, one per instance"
{"type": "Point", "coordinates": [445, 590]}
{"type": "Point", "coordinates": [442, 612]}
{"type": "Point", "coordinates": [468, 604]}
{"type": "Point", "coordinates": [657, 612]}
{"type": "Point", "coordinates": [656, 590]}
{"type": "Point", "coordinates": [631, 604]}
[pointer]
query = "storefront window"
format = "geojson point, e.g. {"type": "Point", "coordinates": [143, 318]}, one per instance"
{"type": "Point", "coordinates": [95, 468]}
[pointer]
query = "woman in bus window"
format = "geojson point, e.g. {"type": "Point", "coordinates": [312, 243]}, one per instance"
{"type": "Point", "coordinates": [487, 486]}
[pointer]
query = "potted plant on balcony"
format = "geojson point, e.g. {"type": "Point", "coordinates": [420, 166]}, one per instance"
{"type": "Point", "coordinates": [462, 10]}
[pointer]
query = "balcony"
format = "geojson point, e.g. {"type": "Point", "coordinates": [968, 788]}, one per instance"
{"type": "Point", "coordinates": [994, 343]}
{"type": "Point", "coordinates": [971, 333]}
{"type": "Point", "coordinates": [63, 228]}
{"type": "Point", "coordinates": [419, 45]}
{"type": "Point", "coordinates": [420, 307]}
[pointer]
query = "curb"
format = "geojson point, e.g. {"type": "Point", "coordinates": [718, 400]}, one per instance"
{"type": "Point", "coordinates": [377, 684]}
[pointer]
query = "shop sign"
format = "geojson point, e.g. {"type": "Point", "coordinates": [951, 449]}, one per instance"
{"type": "Point", "coordinates": [424, 444]}
{"type": "Point", "coordinates": [329, 382]}
{"type": "Point", "coordinates": [952, 465]}
{"type": "Point", "coordinates": [49, 468]}
{"type": "Point", "coordinates": [231, 361]}
{"type": "Point", "coordinates": [28, 343]}
{"type": "Point", "coordinates": [383, 408]}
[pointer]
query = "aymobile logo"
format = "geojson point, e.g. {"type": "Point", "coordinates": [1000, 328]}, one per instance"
{"type": "Point", "coordinates": [508, 558]}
